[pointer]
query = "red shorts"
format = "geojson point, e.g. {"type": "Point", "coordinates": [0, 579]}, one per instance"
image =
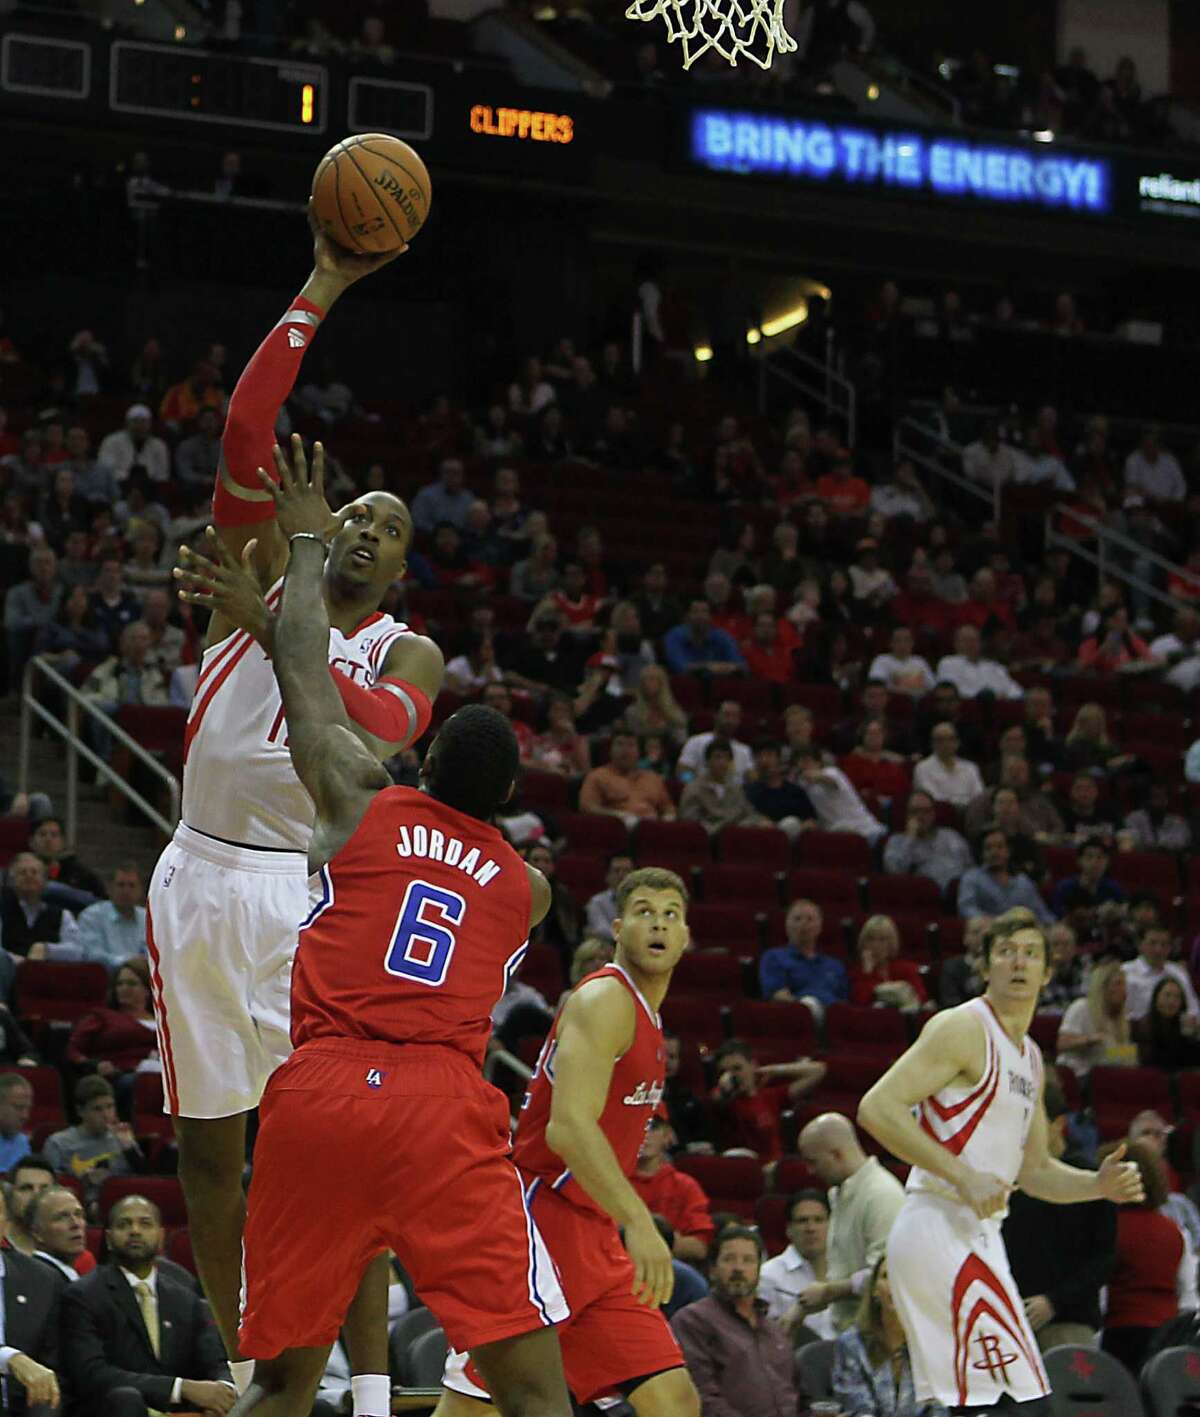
{"type": "Point", "coordinates": [365, 1147]}
{"type": "Point", "coordinates": [610, 1339]}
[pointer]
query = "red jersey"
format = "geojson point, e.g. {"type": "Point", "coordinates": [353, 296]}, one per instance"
{"type": "Point", "coordinates": [634, 1095]}
{"type": "Point", "coordinates": [423, 917]}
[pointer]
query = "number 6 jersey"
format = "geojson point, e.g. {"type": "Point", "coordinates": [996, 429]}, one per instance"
{"type": "Point", "coordinates": [421, 919]}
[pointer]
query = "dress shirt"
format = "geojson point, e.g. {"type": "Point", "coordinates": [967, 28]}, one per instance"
{"type": "Point", "coordinates": [972, 677]}
{"type": "Point", "coordinates": [152, 1280]}
{"type": "Point", "coordinates": [888, 668]}
{"type": "Point", "coordinates": [68, 1272]}
{"type": "Point", "coordinates": [780, 1283]}
{"type": "Point", "coordinates": [989, 467]}
{"type": "Point", "coordinates": [817, 976]}
{"type": "Point", "coordinates": [12, 1149]}
{"type": "Point", "coordinates": [433, 505]}
{"type": "Point", "coordinates": [862, 1211]}
{"type": "Point", "coordinates": [1161, 480]}
{"type": "Point", "coordinates": [959, 784]}
{"type": "Point", "coordinates": [943, 855]}
{"type": "Point", "coordinates": [106, 936]}
{"type": "Point", "coordinates": [1141, 981]}
{"type": "Point", "coordinates": [740, 1369]}
{"type": "Point", "coordinates": [980, 893]}
{"type": "Point", "coordinates": [118, 451]}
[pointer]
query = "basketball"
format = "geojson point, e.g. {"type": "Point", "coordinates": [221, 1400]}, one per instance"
{"type": "Point", "coordinates": [371, 193]}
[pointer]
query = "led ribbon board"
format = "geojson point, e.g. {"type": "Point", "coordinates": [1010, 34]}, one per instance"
{"type": "Point", "coordinates": [939, 166]}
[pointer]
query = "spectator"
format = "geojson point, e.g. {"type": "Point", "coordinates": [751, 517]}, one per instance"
{"type": "Point", "coordinates": [560, 748]}
{"type": "Point", "coordinates": [726, 723]}
{"type": "Point", "coordinates": [158, 1352]}
{"type": "Point", "coordinates": [673, 1194]}
{"type": "Point", "coordinates": [1088, 747]}
{"type": "Point", "coordinates": [1143, 974]}
{"type": "Point", "coordinates": [1165, 1036]}
{"type": "Point", "coordinates": [864, 1200]}
{"type": "Point", "coordinates": [971, 674]}
{"type": "Point", "coordinates": [1150, 1128]}
{"type": "Point", "coordinates": [113, 930]}
{"type": "Point", "coordinates": [29, 923]}
{"type": "Point", "coordinates": [16, 1106]}
{"type": "Point", "coordinates": [1180, 650]}
{"type": "Point", "coordinates": [601, 909]}
{"type": "Point", "coordinates": [747, 1115]}
{"type": "Point", "coordinates": [769, 650]}
{"type": "Point", "coordinates": [962, 975]}
{"type": "Point", "coordinates": [901, 495]}
{"type": "Point", "coordinates": [446, 500]}
{"type": "Point", "coordinates": [944, 775]}
{"type": "Point", "coordinates": [470, 673]}
{"type": "Point", "coordinates": [715, 799]}
{"type": "Point", "coordinates": [29, 607]}
{"type": "Point", "coordinates": [112, 604]}
{"type": "Point", "coordinates": [773, 796]}
{"type": "Point", "coordinates": [166, 640]}
{"type": "Point", "coordinates": [802, 1264]}
{"type": "Point", "coordinates": [144, 567]}
{"type": "Point", "coordinates": [739, 1359]}
{"type": "Point", "coordinates": [925, 849]}
{"type": "Point", "coordinates": [1153, 826]}
{"type": "Point", "coordinates": [624, 640]}
{"type": "Point", "coordinates": [989, 462]}
{"type": "Point", "coordinates": [873, 767]}
{"type": "Point", "coordinates": [696, 646]}
{"type": "Point", "coordinates": [1083, 817]}
{"type": "Point", "coordinates": [1153, 471]}
{"type": "Point", "coordinates": [199, 455]}
{"type": "Point", "coordinates": [1061, 1255]}
{"type": "Point", "coordinates": [1092, 886]}
{"type": "Point", "coordinates": [871, 583]}
{"type": "Point", "coordinates": [1117, 649]}
{"type": "Point", "coordinates": [74, 636]}
{"type": "Point", "coordinates": [63, 867]}
{"type": "Point", "coordinates": [117, 1041]}
{"type": "Point", "coordinates": [872, 1371]}
{"type": "Point", "coordinates": [900, 669]}
{"type": "Point", "coordinates": [15, 1044]}
{"type": "Point", "coordinates": [654, 708]}
{"type": "Point", "coordinates": [880, 976]}
{"type": "Point", "coordinates": [1069, 970]}
{"type": "Point", "coordinates": [657, 609]}
{"type": "Point", "coordinates": [31, 1350]}
{"type": "Point", "coordinates": [560, 925]}
{"type": "Point", "coordinates": [532, 392]}
{"type": "Point", "coordinates": [536, 577]}
{"type": "Point", "coordinates": [182, 402]}
{"type": "Point", "coordinates": [99, 1146]}
{"type": "Point", "coordinates": [62, 510]}
{"type": "Point", "coordinates": [1095, 1029]}
{"type": "Point", "coordinates": [797, 971]}
{"type": "Point", "coordinates": [136, 446]}
{"type": "Point", "coordinates": [1142, 1290]}
{"type": "Point", "coordinates": [59, 1226]}
{"type": "Point", "coordinates": [990, 888]}
{"type": "Point", "coordinates": [843, 493]}
{"type": "Point", "coordinates": [573, 601]}
{"type": "Point", "coordinates": [688, 1116]}
{"type": "Point", "coordinates": [128, 677]}
{"type": "Point", "coordinates": [837, 805]}
{"type": "Point", "coordinates": [944, 705]}
{"type": "Point", "coordinates": [621, 789]}
{"type": "Point", "coordinates": [32, 1175]}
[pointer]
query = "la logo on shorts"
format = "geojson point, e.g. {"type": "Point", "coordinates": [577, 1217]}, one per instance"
{"type": "Point", "coordinates": [374, 1077]}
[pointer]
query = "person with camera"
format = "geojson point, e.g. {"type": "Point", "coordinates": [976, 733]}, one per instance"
{"type": "Point", "coordinates": [750, 1098]}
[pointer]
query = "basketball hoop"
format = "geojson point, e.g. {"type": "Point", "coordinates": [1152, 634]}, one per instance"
{"type": "Point", "coordinates": [735, 29]}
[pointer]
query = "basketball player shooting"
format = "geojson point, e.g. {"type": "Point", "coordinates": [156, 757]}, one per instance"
{"type": "Point", "coordinates": [597, 1086]}
{"type": "Point", "coordinates": [229, 892]}
{"type": "Point", "coordinates": [379, 1130]}
{"type": "Point", "coordinates": [964, 1107]}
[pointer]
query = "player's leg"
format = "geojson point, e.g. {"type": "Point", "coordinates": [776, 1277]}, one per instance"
{"type": "Point", "coordinates": [366, 1336]}
{"type": "Point", "coordinates": [284, 1386]}
{"type": "Point", "coordinates": [525, 1375]}
{"type": "Point", "coordinates": [670, 1394]}
{"type": "Point", "coordinates": [454, 1404]}
{"type": "Point", "coordinates": [212, 1158]}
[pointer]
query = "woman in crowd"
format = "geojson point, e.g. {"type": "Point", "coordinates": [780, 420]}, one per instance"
{"type": "Point", "coordinates": [560, 927]}
{"type": "Point", "coordinates": [73, 638]}
{"type": "Point", "coordinates": [737, 556]}
{"type": "Point", "coordinates": [1088, 747]}
{"type": "Point", "coordinates": [470, 673]}
{"type": "Point", "coordinates": [1166, 1036]}
{"type": "Point", "coordinates": [1094, 1029]}
{"type": "Point", "coordinates": [872, 1373]}
{"type": "Point", "coordinates": [655, 708]}
{"type": "Point", "coordinates": [560, 748]}
{"type": "Point", "coordinates": [115, 1041]}
{"type": "Point", "coordinates": [624, 639]}
{"type": "Point", "coordinates": [873, 767]}
{"type": "Point", "coordinates": [881, 976]}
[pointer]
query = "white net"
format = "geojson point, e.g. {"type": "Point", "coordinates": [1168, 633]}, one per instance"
{"type": "Point", "coordinates": [734, 29]}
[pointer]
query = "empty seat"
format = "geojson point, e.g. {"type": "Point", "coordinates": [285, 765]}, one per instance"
{"type": "Point", "coordinates": [754, 846]}
{"type": "Point", "coordinates": [656, 843]}
{"type": "Point", "coordinates": [770, 1215]}
{"type": "Point", "coordinates": [793, 1174]}
{"type": "Point", "coordinates": [591, 831]}
{"type": "Point", "coordinates": [164, 1191]}
{"type": "Point", "coordinates": [1171, 1382]}
{"type": "Point", "coordinates": [888, 894]}
{"type": "Point", "coordinates": [179, 1249]}
{"type": "Point", "coordinates": [545, 789]}
{"type": "Point", "coordinates": [1087, 1382]}
{"type": "Point", "coordinates": [697, 1019]}
{"type": "Point", "coordinates": [867, 1032]}
{"type": "Point", "coordinates": [59, 993]}
{"type": "Point", "coordinates": [829, 888]}
{"type": "Point", "coordinates": [47, 1094]}
{"type": "Point", "coordinates": [847, 1079]}
{"type": "Point", "coordinates": [14, 837]}
{"type": "Point", "coordinates": [582, 873]}
{"type": "Point", "coordinates": [757, 886]}
{"type": "Point", "coordinates": [845, 850]}
{"type": "Point", "coordinates": [752, 1019]}
{"type": "Point", "coordinates": [709, 973]}
{"type": "Point", "coordinates": [730, 1182]}
{"type": "Point", "coordinates": [737, 928]}
{"type": "Point", "coordinates": [1155, 871]}
{"type": "Point", "coordinates": [1119, 1094]}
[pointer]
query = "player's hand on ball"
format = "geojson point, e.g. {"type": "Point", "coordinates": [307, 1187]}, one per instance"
{"type": "Point", "coordinates": [299, 496]}
{"type": "Point", "coordinates": [984, 1193]}
{"type": "Point", "coordinates": [220, 583]}
{"type": "Point", "coordinates": [1120, 1180]}
{"type": "Point", "coordinates": [333, 260]}
{"type": "Point", "coordinates": [654, 1275]}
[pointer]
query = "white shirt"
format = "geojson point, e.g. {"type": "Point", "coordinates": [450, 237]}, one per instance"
{"type": "Point", "coordinates": [1185, 674]}
{"type": "Point", "coordinates": [691, 759]}
{"type": "Point", "coordinates": [839, 807]}
{"type": "Point", "coordinates": [779, 1284]}
{"type": "Point", "coordinates": [890, 500]}
{"type": "Point", "coordinates": [960, 784]}
{"type": "Point", "coordinates": [67, 1272]}
{"type": "Point", "coordinates": [890, 669]}
{"type": "Point", "coordinates": [1141, 981]}
{"type": "Point", "coordinates": [974, 677]}
{"type": "Point", "coordinates": [118, 452]}
{"type": "Point", "coordinates": [1044, 470]}
{"type": "Point", "coordinates": [989, 469]}
{"type": "Point", "coordinates": [152, 1280]}
{"type": "Point", "coordinates": [1160, 480]}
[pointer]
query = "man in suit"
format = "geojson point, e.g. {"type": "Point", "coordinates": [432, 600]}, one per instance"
{"type": "Point", "coordinates": [58, 1224]}
{"type": "Point", "coordinates": [29, 1324]}
{"type": "Point", "coordinates": [136, 1342]}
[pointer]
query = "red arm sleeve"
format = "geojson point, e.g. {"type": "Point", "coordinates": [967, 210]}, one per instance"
{"type": "Point", "coordinates": [250, 427]}
{"type": "Point", "coordinates": [393, 710]}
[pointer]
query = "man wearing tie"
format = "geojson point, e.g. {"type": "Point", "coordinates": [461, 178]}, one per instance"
{"type": "Point", "coordinates": [136, 1342]}
{"type": "Point", "coordinates": [29, 1325]}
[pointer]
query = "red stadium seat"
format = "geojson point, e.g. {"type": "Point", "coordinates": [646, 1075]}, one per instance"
{"type": "Point", "coordinates": [591, 831]}
{"type": "Point", "coordinates": [164, 1191]}
{"type": "Point", "coordinates": [730, 1182]}
{"type": "Point", "coordinates": [825, 700]}
{"type": "Point", "coordinates": [754, 846]}
{"type": "Point", "coordinates": [179, 1249]}
{"type": "Point", "coordinates": [545, 789]}
{"type": "Point", "coordinates": [737, 928]}
{"type": "Point", "coordinates": [752, 1019]}
{"type": "Point", "coordinates": [1155, 871]}
{"type": "Point", "coordinates": [867, 1033]}
{"type": "Point", "coordinates": [756, 696]}
{"type": "Point", "coordinates": [770, 1215]}
{"type": "Point", "coordinates": [700, 1020]}
{"type": "Point", "coordinates": [158, 730]}
{"type": "Point", "coordinates": [793, 1174]}
{"type": "Point", "coordinates": [834, 891]}
{"type": "Point", "coordinates": [709, 974]}
{"type": "Point", "coordinates": [542, 970]}
{"type": "Point", "coordinates": [14, 837]}
{"type": "Point", "coordinates": [149, 1119]}
{"type": "Point", "coordinates": [47, 1095]}
{"type": "Point", "coordinates": [655, 843]}
{"type": "Point", "coordinates": [1044, 1032]}
{"type": "Point", "coordinates": [690, 692]}
{"type": "Point", "coordinates": [59, 993]}
{"type": "Point", "coordinates": [886, 894]}
{"type": "Point", "coordinates": [757, 886]}
{"type": "Point", "coordinates": [845, 851]}
{"type": "Point", "coordinates": [847, 1080]}
{"type": "Point", "coordinates": [582, 874]}
{"type": "Point", "coordinates": [1119, 1094]}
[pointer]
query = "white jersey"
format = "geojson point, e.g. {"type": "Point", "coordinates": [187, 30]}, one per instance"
{"type": "Point", "coordinates": [238, 780]}
{"type": "Point", "coordinates": [986, 1124]}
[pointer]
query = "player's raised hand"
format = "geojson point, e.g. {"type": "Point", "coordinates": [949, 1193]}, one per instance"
{"type": "Point", "coordinates": [226, 586]}
{"type": "Point", "coordinates": [984, 1193]}
{"type": "Point", "coordinates": [654, 1274]}
{"type": "Point", "coordinates": [332, 260]}
{"type": "Point", "coordinates": [1121, 1180]}
{"type": "Point", "coordinates": [299, 496]}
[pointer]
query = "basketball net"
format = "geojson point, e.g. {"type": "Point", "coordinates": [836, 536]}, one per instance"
{"type": "Point", "coordinates": [735, 29]}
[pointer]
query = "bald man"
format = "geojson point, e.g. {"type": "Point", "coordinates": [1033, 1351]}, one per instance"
{"type": "Point", "coordinates": [864, 1200]}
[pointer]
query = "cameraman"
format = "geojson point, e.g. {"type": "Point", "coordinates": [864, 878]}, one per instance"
{"type": "Point", "coordinates": [750, 1099]}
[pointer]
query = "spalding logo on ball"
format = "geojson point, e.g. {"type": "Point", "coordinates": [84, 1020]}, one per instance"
{"type": "Point", "coordinates": [371, 193]}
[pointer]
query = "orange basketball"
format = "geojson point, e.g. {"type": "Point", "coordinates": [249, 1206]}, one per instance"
{"type": "Point", "coordinates": [371, 193]}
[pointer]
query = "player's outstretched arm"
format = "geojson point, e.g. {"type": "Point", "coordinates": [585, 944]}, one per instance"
{"type": "Point", "coordinates": [951, 1045]}
{"type": "Point", "coordinates": [1050, 1180]}
{"type": "Point", "coordinates": [341, 775]}
{"type": "Point", "coordinates": [596, 1026]}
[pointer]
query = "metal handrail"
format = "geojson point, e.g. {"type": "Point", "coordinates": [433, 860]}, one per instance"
{"type": "Point", "coordinates": [906, 450]}
{"type": "Point", "coordinates": [832, 383]}
{"type": "Point", "coordinates": [76, 748]}
{"type": "Point", "coordinates": [510, 1060]}
{"type": "Point", "coordinates": [1106, 560]}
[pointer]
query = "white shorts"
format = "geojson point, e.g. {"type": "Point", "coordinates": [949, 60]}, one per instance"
{"type": "Point", "coordinates": [968, 1338]}
{"type": "Point", "coordinates": [221, 931]}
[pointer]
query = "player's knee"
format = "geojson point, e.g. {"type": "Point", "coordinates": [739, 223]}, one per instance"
{"type": "Point", "coordinates": [209, 1173]}
{"type": "Point", "coordinates": [670, 1394]}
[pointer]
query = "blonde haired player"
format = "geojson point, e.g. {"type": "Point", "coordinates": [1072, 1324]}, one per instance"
{"type": "Point", "coordinates": [230, 891]}
{"type": "Point", "coordinates": [964, 1107]}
